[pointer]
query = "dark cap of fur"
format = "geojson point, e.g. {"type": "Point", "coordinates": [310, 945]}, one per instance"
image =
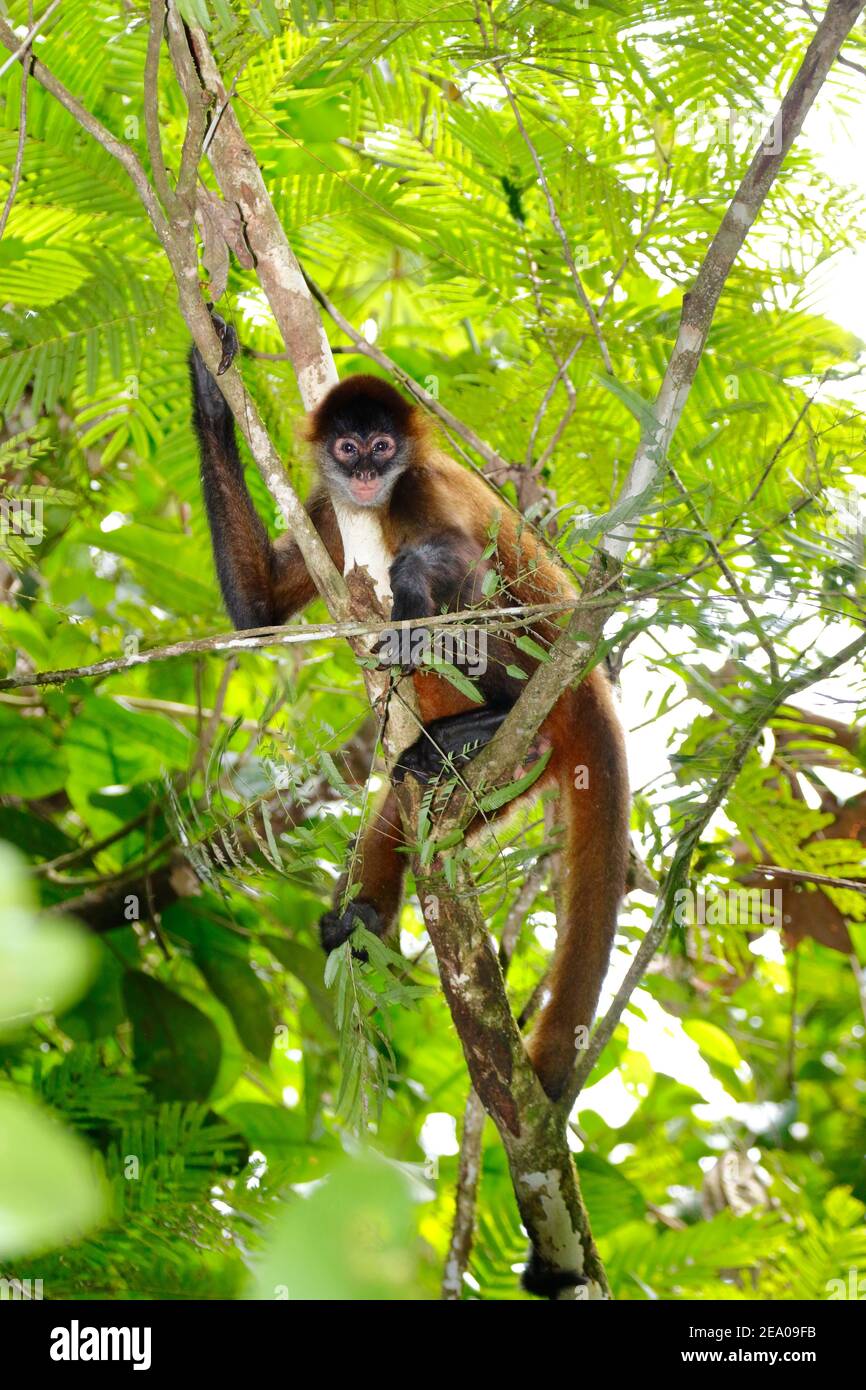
{"type": "Point", "coordinates": [364, 405]}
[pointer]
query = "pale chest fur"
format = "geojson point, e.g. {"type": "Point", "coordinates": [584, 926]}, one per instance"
{"type": "Point", "coordinates": [364, 544]}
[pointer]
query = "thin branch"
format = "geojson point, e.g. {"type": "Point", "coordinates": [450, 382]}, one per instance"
{"type": "Point", "coordinates": [252, 639]}
{"type": "Point", "coordinates": [700, 303]}
{"type": "Point", "coordinates": [843, 62]}
{"type": "Point", "coordinates": [200, 103]}
{"type": "Point", "coordinates": [561, 375]}
{"type": "Point", "coordinates": [466, 1195]}
{"type": "Point", "coordinates": [857, 885]}
{"type": "Point", "coordinates": [574, 648]}
{"type": "Point", "coordinates": [207, 737]}
{"type": "Point", "coordinates": [28, 38]}
{"type": "Point", "coordinates": [151, 106]}
{"type": "Point", "coordinates": [774, 457]}
{"type": "Point", "coordinates": [126, 156]}
{"type": "Point", "coordinates": [860, 978]}
{"type": "Point", "coordinates": [645, 230]}
{"type": "Point", "coordinates": [240, 179]}
{"type": "Point", "coordinates": [19, 153]}
{"type": "Point", "coordinates": [754, 622]}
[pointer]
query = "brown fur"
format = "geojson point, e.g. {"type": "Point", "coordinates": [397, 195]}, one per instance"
{"type": "Point", "coordinates": [584, 730]}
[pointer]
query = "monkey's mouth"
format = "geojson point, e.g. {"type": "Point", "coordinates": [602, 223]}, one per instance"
{"type": "Point", "coordinates": [364, 492]}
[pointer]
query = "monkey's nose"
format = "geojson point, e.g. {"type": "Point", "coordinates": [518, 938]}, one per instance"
{"type": "Point", "coordinates": [366, 475]}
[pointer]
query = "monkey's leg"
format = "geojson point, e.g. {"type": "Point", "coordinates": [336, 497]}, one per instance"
{"type": "Point", "coordinates": [455, 739]}
{"type": "Point", "coordinates": [379, 870]}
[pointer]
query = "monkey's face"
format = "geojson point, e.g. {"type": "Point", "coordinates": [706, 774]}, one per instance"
{"type": "Point", "coordinates": [362, 466]}
{"type": "Point", "coordinates": [364, 434]}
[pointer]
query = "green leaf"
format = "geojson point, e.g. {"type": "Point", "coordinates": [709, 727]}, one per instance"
{"type": "Point", "coordinates": [641, 409]}
{"type": "Point", "coordinates": [31, 764]}
{"type": "Point", "coordinates": [49, 1189]}
{"type": "Point", "coordinates": [281, 1136]}
{"type": "Point", "coordinates": [502, 795]}
{"type": "Point", "coordinates": [456, 678]}
{"type": "Point", "coordinates": [175, 1044]}
{"type": "Point", "coordinates": [713, 1042]}
{"type": "Point", "coordinates": [532, 648]}
{"type": "Point", "coordinates": [45, 962]}
{"type": "Point", "coordinates": [353, 1238]}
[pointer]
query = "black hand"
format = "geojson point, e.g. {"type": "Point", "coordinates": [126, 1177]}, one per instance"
{"type": "Point", "coordinates": [337, 927]}
{"type": "Point", "coordinates": [228, 339]}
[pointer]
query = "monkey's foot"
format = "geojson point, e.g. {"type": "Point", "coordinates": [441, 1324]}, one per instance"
{"type": "Point", "coordinates": [544, 1280]}
{"type": "Point", "coordinates": [337, 927]}
{"type": "Point", "coordinates": [453, 740]}
{"type": "Point", "coordinates": [228, 339]}
{"type": "Point", "coordinates": [209, 395]}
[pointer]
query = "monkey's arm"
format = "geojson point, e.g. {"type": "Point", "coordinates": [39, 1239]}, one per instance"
{"type": "Point", "coordinates": [443, 571]}
{"type": "Point", "coordinates": [262, 583]}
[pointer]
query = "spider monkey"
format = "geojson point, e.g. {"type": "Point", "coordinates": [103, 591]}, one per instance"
{"type": "Point", "coordinates": [387, 498]}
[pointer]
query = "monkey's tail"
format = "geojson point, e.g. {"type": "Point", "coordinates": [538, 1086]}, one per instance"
{"type": "Point", "coordinates": [594, 812]}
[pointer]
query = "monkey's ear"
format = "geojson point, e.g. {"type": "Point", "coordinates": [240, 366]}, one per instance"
{"type": "Point", "coordinates": [305, 430]}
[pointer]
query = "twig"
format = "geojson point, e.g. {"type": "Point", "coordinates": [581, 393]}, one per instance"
{"type": "Point", "coordinates": [215, 716]}
{"type": "Point", "coordinates": [151, 106]}
{"type": "Point", "coordinates": [754, 622]}
{"type": "Point", "coordinates": [252, 639]}
{"type": "Point", "coordinates": [19, 153]}
{"type": "Point", "coordinates": [806, 876]}
{"type": "Point", "coordinates": [125, 156]}
{"type": "Point", "coordinates": [468, 1174]}
{"type": "Point", "coordinates": [700, 303]}
{"type": "Point", "coordinates": [28, 38]}
{"type": "Point", "coordinates": [843, 62]}
{"type": "Point", "coordinates": [560, 376]}
{"type": "Point", "coordinates": [860, 977]}
{"type": "Point", "coordinates": [574, 648]}
{"type": "Point", "coordinates": [178, 240]}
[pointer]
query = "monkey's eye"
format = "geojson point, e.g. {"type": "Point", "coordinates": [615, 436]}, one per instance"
{"type": "Point", "coordinates": [384, 447]}
{"type": "Point", "coordinates": [346, 448]}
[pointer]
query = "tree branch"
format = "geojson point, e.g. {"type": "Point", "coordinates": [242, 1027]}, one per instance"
{"type": "Point", "coordinates": [19, 152]}
{"type": "Point", "coordinates": [532, 1129]}
{"type": "Point", "coordinates": [27, 41]}
{"type": "Point", "coordinates": [469, 1171]}
{"type": "Point", "coordinates": [700, 303]}
{"type": "Point", "coordinates": [254, 638]}
{"type": "Point", "coordinates": [151, 106]}
{"type": "Point", "coordinates": [240, 180]}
